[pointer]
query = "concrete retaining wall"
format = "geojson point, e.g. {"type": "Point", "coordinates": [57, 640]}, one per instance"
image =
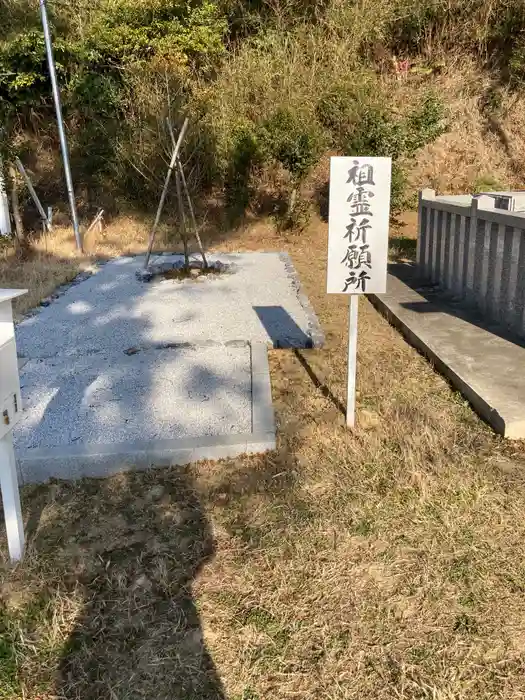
{"type": "Point", "coordinates": [476, 252]}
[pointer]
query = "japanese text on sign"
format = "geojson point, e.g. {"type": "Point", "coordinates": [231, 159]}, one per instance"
{"type": "Point", "coordinates": [358, 225]}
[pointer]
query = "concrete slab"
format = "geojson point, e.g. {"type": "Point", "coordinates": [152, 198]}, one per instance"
{"type": "Point", "coordinates": [485, 364]}
{"type": "Point", "coordinates": [260, 300]}
{"type": "Point", "coordinates": [37, 466]}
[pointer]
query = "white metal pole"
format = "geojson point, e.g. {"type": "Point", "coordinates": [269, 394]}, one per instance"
{"type": "Point", "coordinates": [60, 121]}
{"type": "Point", "coordinates": [5, 221]}
{"type": "Point", "coordinates": [352, 360]}
{"type": "Point", "coordinates": [11, 498]}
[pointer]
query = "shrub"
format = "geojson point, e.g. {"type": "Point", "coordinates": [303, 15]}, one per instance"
{"type": "Point", "coordinates": [292, 140]}
{"type": "Point", "coordinates": [171, 33]}
{"type": "Point", "coordinates": [369, 127]}
{"type": "Point", "coordinates": [245, 154]}
{"type": "Point", "coordinates": [424, 124]}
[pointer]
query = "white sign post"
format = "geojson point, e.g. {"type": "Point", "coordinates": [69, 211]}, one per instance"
{"type": "Point", "coordinates": [357, 241]}
{"type": "Point", "coordinates": [10, 413]}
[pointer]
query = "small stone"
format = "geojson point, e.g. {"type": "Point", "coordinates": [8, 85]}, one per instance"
{"type": "Point", "coordinates": [194, 272]}
{"type": "Point", "coordinates": [144, 275]}
{"type": "Point", "coordinates": [155, 492]}
{"type": "Point", "coordinates": [368, 420]}
{"type": "Point", "coordinates": [131, 351]}
{"type": "Point", "coordinates": [142, 582]}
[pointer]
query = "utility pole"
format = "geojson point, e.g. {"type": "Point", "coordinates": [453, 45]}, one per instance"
{"type": "Point", "coordinates": [60, 121]}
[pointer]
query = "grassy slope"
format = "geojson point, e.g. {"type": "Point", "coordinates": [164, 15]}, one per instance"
{"type": "Point", "coordinates": [385, 563]}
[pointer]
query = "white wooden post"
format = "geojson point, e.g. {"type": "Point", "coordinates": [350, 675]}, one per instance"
{"type": "Point", "coordinates": [10, 414]}
{"type": "Point", "coordinates": [11, 498]}
{"type": "Point", "coordinates": [352, 361]}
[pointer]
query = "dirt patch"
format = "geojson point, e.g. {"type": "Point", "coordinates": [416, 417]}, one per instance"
{"type": "Point", "coordinates": [192, 273]}
{"type": "Point", "coordinates": [178, 270]}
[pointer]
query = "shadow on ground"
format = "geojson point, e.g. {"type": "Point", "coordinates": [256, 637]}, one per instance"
{"type": "Point", "coordinates": [132, 548]}
{"type": "Point", "coordinates": [129, 550]}
{"type": "Point", "coordinates": [281, 328]}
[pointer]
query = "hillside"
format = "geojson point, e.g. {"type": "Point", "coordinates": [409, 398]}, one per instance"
{"type": "Point", "coordinates": [270, 86]}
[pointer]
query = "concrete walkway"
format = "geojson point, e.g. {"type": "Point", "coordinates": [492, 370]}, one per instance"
{"type": "Point", "coordinates": [118, 373]}
{"type": "Point", "coordinates": [482, 361]}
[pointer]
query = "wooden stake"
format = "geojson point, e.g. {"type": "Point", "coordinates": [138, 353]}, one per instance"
{"type": "Point", "coordinates": [188, 199]}
{"type": "Point", "coordinates": [15, 206]}
{"type": "Point", "coordinates": [182, 214]}
{"type": "Point", "coordinates": [33, 194]}
{"type": "Point", "coordinates": [96, 220]}
{"type": "Point", "coordinates": [165, 190]}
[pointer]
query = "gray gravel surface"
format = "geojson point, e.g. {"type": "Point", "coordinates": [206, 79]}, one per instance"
{"type": "Point", "coordinates": [112, 310]}
{"type": "Point", "coordinates": [106, 398]}
{"type": "Point", "coordinates": [114, 360]}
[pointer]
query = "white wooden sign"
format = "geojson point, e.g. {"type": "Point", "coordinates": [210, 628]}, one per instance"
{"type": "Point", "coordinates": [357, 241]}
{"type": "Point", "coordinates": [358, 225]}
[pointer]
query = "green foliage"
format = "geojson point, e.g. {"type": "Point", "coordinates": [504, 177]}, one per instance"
{"type": "Point", "coordinates": [380, 133]}
{"type": "Point", "coordinates": [341, 106]}
{"type": "Point", "coordinates": [259, 79]}
{"type": "Point", "coordinates": [409, 31]}
{"type": "Point", "coordinates": [487, 183]}
{"type": "Point", "coordinates": [245, 153]}
{"type": "Point", "coordinates": [398, 188]}
{"type": "Point", "coordinates": [517, 62]}
{"type": "Point", "coordinates": [295, 218]}
{"type": "Point", "coordinates": [172, 33]}
{"type": "Point", "coordinates": [360, 124]}
{"type": "Point", "coordinates": [424, 124]}
{"type": "Point", "coordinates": [23, 71]}
{"type": "Point", "coordinates": [507, 41]}
{"type": "Point", "coordinates": [98, 71]}
{"type": "Point", "coordinates": [292, 140]}
{"type": "Point", "coordinates": [285, 137]}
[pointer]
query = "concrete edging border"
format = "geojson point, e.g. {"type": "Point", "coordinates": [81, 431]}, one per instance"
{"type": "Point", "coordinates": [314, 327]}
{"type": "Point", "coordinates": [94, 460]}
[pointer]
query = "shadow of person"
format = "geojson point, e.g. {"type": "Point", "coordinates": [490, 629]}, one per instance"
{"type": "Point", "coordinates": [134, 545]}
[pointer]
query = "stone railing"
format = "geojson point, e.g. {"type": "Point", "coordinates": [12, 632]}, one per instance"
{"type": "Point", "coordinates": [476, 252]}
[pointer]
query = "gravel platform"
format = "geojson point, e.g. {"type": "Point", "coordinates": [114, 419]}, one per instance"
{"type": "Point", "coordinates": [121, 373]}
{"type": "Point", "coordinates": [112, 310]}
{"type": "Point", "coordinates": [152, 394]}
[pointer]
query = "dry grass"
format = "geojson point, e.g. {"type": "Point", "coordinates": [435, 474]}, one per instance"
{"type": "Point", "coordinates": [382, 563]}
{"type": "Point", "coordinates": [53, 260]}
{"type": "Point", "coordinates": [484, 147]}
